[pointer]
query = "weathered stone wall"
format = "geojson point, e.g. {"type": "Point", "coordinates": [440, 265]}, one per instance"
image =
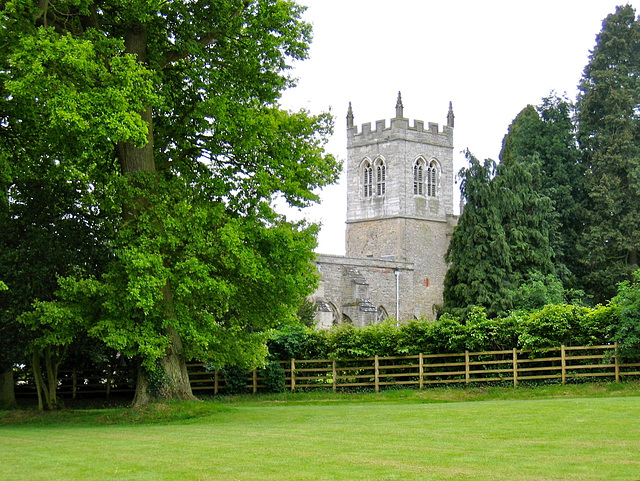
{"type": "Point", "coordinates": [422, 244]}
{"type": "Point", "coordinates": [363, 290]}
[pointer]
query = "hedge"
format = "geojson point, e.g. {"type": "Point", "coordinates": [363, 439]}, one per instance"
{"type": "Point", "coordinates": [551, 326]}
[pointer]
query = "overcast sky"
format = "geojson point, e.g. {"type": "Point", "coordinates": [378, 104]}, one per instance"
{"type": "Point", "coordinates": [490, 58]}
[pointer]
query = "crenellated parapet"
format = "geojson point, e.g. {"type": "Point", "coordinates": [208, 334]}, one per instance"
{"type": "Point", "coordinates": [400, 128]}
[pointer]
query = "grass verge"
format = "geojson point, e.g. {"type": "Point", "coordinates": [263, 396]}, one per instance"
{"type": "Point", "coordinates": [582, 432]}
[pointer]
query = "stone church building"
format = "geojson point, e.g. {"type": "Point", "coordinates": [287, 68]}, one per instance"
{"type": "Point", "coordinates": [399, 222]}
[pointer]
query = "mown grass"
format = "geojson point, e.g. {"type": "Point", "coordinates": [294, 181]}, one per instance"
{"type": "Point", "coordinates": [582, 432]}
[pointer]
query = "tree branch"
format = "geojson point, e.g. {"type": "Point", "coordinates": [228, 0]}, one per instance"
{"type": "Point", "coordinates": [43, 6]}
{"type": "Point", "coordinates": [205, 39]}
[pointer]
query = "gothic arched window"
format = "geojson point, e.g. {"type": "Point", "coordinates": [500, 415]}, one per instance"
{"type": "Point", "coordinates": [367, 178]}
{"type": "Point", "coordinates": [381, 314]}
{"type": "Point", "coordinates": [418, 177]}
{"type": "Point", "coordinates": [432, 179]}
{"type": "Point", "coordinates": [381, 177]}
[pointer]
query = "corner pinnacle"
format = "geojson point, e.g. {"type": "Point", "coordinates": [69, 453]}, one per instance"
{"type": "Point", "coordinates": [399, 107]}
{"type": "Point", "coordinates": [349, 117]}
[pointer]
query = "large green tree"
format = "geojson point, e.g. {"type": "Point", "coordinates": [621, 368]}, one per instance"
{"type": "Point", "coordinates": [172, 107]}
{"type": "Point", "coordinates": [50, 229]}
{"type": "Point", "coordinates": [609, 134]}
{"type": "Point", "coordinates": [478, 255]}
{"type": "Point", "coordinates": [50, 225]}
{"type": "Point", "coordinates": [501, 241]}
{"type": "Point", "coordinates": [547, 133]}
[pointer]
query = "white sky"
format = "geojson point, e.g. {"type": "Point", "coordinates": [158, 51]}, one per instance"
{"type": "Point", "coordinates": [490, 58]}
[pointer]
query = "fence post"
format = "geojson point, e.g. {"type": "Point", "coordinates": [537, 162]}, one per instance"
{"type": "Point", "coordinates": [467, 375]}
{"type": "Point", "coordinates": [421, 361]}
{"type": "Point", "coordinates": [617, 364]}
{"type": "Point", "coordinates": [109, 381]}
{"type": "Point", "coordinates": [293, 374]}
{"type": "Point", "coordinates": [215, 382]}
{"type": "Point", "coordinates": [376, 369]}
{"type": "Point", "coordinates": [255, 381]}
{"type": "Point", "coordinates": [74, 383]}
{"type": "Point", "coordinates": [515, 367]}
{"type": "Point", "coordinates": [335, 375]}
{"type": "Point", "coordinates": [564, 365]}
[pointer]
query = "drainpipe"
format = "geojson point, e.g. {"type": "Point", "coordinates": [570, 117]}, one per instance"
{"type": "Point", "coordinates": [397, 271]}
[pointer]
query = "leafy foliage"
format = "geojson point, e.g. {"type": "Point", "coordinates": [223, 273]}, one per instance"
{"type": "Point", "coordinates": [50, 228]}
{"type": "Point", "coordinates": [297, 342]}
{"type": "Point", "coordinates": [172, 109]}
{"type": "Point", "coordinates": [556, 325]}
{"type": "Point", "coordinates": [626, 305]}
{"type": "Point", "coordinates": [477, 255]}
{"type": "Point", "coordinates": [549, 326]}
{"type": "Point", "coordinates": [538, 292]}
{"type": "Point", "coordinates": [235, 379]}
{"type": "Point", "coordinates": [274, 377]}
{"type": "Point", "coordinates": [347, 341]}
{"type": "Point", "coordinates": [546, 134]}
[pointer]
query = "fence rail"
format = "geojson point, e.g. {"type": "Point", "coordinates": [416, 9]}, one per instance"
{"type": "Point", "coordinates": [423, 370]}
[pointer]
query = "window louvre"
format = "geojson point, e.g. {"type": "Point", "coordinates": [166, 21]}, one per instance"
{"type": "Point", "coordinates": [368, 179]}
{"type": "Point", "coordinates": [432, 179]}
{"type": "Point", "coordinates": [381, 178]}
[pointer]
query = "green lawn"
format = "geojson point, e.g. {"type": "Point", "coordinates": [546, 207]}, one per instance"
{"type": "Point", "coordinates": [560, 435]}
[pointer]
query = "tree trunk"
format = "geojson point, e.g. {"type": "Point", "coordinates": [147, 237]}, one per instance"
{"type": "Point", "coordinates": [175, 378]}
{"type": "Point", "coordinates": [142, 396]}
{"type": "Point", "coordinates": [175, 382]}
{"type": "Point", "coordinates": [52, 378]}
{"type": "Point", "coordinates": [633, 258]}
{"type": "Point", "coordinates": [175, 368]}
{"type": "Point", "coordinates": [7, 389]}
{"type": "Point", "coordinates": [40, 384]}
{"type": "Point", "coordinates": [134, 160]}
{"type": "Point", "coordinates": [137, 159]}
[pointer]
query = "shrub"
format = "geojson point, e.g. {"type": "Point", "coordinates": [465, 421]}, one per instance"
{"type": "Point", "coordinates": [447, 334]}
{"type": "Point", "coordinates": [343, 342]}
{"type": "Point", "coordinates": [550, 326]}
{"type": "Point", "coordinates": [626, 306]}
{"type": "Point", "coordinates": [297, 342]}
{"type": "Point", "coordinates": [555, 325]}
{"type": "Point", "coordinates": [537, 292]}
{"type": "Point", "coordinates": [274, 377]}
{"type": "Point", "coordinates": [415, 337]}
{"type": "Point", "coordinates": [235, 379]}
{"type": "Point", "coordinates": [497, 334]}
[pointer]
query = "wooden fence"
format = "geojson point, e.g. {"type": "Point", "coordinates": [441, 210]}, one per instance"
{"type": "Point", "coordinates": [423, 370]}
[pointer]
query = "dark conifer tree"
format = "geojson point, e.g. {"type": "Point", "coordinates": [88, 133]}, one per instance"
{"type": "Point", "coordinates": [547, 133]}
{"type": "Point", "coordinates": [478, 254]}
{"type": "Point", "coordinates": [502, 238]}
{"type": "Point", "coordinates": [608, 112]}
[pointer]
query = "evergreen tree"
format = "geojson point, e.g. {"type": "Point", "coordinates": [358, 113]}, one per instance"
{"type": "Point", "coordinates": [528, 219]}
{"type": "Point", "coordinates": [478, 254]}
{"type": "Point", "coordinates": [547, 134]}
{"type": "Point", "coordinates": [502, 238]}
{"type": "Point", "coordinates": [608, 110]}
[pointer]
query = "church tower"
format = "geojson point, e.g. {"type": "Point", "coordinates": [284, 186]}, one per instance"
{"type": "Point", "coordinates": [400, 202]}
